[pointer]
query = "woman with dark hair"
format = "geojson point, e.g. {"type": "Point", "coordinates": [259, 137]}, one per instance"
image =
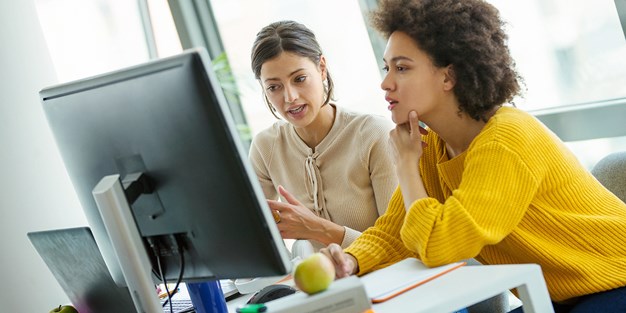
{"type": "Point", "coordinates": [483, 180]}
{"type": "Point", "coordinates": [332, 167]}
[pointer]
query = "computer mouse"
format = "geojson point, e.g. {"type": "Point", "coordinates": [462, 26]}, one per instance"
{"type": "Point", "coordinates": [271, 292]}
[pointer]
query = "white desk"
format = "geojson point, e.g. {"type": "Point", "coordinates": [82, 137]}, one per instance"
{"type": "Point", "coordinates": [471, 284]}
{"type": "Point", "coordinates": [463, 287]}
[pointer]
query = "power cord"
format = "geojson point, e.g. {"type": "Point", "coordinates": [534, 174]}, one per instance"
{"type": "Point", "coordinates": [180, 274]}
{"type": "Point", "coordinates": [167, 290]}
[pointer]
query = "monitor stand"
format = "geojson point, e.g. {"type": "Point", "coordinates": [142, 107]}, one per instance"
{"type": "Point", "coordinates": [127, 243]}
{"type": "Point", "coordinates": [113, 203]}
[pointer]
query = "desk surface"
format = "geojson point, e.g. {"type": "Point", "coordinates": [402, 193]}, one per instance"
{"type": "Point", "coordinates": [461, 288]}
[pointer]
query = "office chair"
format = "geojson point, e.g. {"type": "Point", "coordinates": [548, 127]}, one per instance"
{"type": "Point", "coordinates": [610, 171]}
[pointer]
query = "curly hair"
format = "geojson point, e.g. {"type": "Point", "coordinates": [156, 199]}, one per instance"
{"type": "Point", "coordinates": [287, 36]}
{"type": "Point", "coordinates": [466, 34]}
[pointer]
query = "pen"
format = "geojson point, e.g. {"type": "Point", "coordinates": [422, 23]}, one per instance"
{"type": "Point", "coordinates": [252, 308]}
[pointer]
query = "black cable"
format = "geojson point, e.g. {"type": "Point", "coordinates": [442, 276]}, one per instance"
{"type": "Point", "coordinates": [181, 259]}
{"type": "Point", "coordinates": [180, 275]}
{"type": "Point", "coordinates": [167, 290]}
{"type": "Point", "coordinates": [159, 274]}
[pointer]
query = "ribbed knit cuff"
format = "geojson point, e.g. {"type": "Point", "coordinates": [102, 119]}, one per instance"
{"type": "Point", "coordinates": [349, 236]}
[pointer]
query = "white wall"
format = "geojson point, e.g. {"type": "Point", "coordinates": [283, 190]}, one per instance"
{"type": "Point", "coordinates": [35, 192]}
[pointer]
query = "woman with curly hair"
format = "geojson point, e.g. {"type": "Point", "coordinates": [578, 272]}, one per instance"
{"type": "Point", "coordinates": [483, 180]}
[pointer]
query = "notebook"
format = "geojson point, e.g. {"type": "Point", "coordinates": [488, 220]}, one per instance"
{"type": "Point", "coordinates": [401, 277]}
{"type": "Point", "coordinates": [73, 257]}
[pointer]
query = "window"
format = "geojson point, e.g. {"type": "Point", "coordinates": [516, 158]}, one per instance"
{"type": "Point", "coordinates": [340, 30]}
{"type": "Point", "coordinates": [570, 53]}
{"type": "Point", "coordinates": [87, 38]}
{"type": "Point", "coordinates": [164, 30]}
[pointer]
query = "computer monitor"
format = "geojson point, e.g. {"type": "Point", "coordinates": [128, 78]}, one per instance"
{"type": "Point", "coordinates": [168, 120]}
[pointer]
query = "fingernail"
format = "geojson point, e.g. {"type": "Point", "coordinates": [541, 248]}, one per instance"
{"type": "Point", "coordinates": [413, 114]}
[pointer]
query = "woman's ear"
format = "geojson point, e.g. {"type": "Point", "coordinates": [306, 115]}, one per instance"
{"type": "Point", "coordinates": [323, 67]}
{"type": "Point", "coordinates": [449, 78]}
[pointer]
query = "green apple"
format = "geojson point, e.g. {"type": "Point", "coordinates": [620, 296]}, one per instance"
{"type": "Point", "coordinates": [314, 274]}
{"type": "Point", "coordinates": [64, 309]}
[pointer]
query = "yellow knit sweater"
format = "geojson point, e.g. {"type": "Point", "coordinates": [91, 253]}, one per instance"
{"type": "Point", "coordinates": [516, 195]}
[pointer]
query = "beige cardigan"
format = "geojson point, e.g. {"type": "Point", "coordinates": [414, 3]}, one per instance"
{"type": "Point", "coordinates": [349, 178]}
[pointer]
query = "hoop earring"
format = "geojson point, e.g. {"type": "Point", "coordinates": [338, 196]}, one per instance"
{"type": "Point", "coordinates": [270, 106]}
{"type": "Point", "coordinates": [325, 84]}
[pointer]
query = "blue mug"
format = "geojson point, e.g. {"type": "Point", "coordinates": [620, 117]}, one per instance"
{"type": "Point", "coordinates": [207, 297]}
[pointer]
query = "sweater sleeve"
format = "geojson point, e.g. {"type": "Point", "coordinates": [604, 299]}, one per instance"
{"type": "Point", "coordinates": [380, 245]}
{"type": "Point", "coordinates": [376, 157]}
{"type": "Point", "coordinates": [260, 156]}
{"type": "Point", "coordinates": [492, 198]}
{"type": "Point", "coordinates": [381, 167]}
{"type": "Point", "coordinates": [349, 236]}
